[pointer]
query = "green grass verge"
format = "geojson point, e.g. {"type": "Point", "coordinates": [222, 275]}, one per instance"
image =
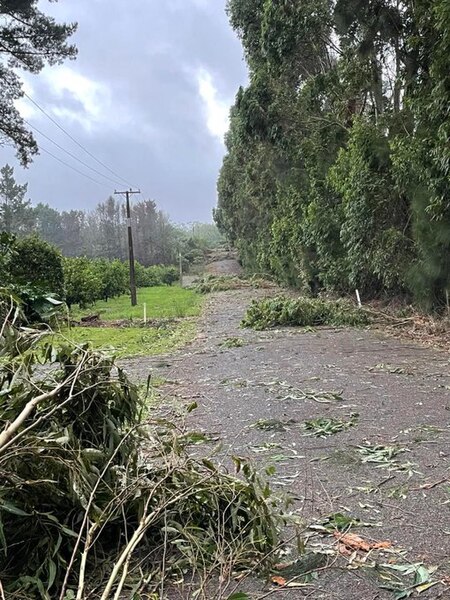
{"type": "Point", "coordinates": [162, 302]}
{"type": "Point", "coordinates": [134, 341]}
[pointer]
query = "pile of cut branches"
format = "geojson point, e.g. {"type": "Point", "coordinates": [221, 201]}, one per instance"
{"type": "Point", "coordinates": [303, 312]}
{"type": "Point", "coordinates": [223, 283]}
{"type": "Point", "coordinates": [96, 503]}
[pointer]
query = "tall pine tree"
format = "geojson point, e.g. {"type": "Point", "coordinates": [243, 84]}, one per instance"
{"type": "Point", "coordinates": [16, 215]}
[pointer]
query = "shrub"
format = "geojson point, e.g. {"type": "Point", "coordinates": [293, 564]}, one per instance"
{"type": "Point", "coordinates": [32, 305]}
{"type": "Point", "coordinates": [114, 277]}
{"type": "Point", "coordinates": [155, 275]}
{"type": "Point", "coordinates": [169, 275]}
{"type": "Point", "coordinates": [37, 264]}
{"type": "Point", "coordinates": [83, 281]}
{"type": "Point", "coordinates": [282, 311]}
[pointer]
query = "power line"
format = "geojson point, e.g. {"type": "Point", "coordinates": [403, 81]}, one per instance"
{"type": "Point", "coordinates": [55, 122]}
{"type": "Point", "coordinates": [72, 167]}
{"type": "Point", "coordinates": [70, 153]}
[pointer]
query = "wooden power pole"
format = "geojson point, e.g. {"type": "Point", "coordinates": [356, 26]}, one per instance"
{"type": "Point", "coordinates": [127, 195]}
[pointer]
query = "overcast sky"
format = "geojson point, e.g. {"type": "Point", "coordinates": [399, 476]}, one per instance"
{"type": "Point", "coordinates": [148, 95]}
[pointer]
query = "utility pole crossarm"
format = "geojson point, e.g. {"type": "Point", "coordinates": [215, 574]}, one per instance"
{"type": "Point", "coordinates": [133, 293]}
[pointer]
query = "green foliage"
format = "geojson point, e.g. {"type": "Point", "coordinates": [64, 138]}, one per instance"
{"type": "Point", "coordinates": [155, 275]}
{"type": "Point", "coordinates": [337, 167]}
{"type": "Point", "coordinates": [219, 283]}
{"type": "Point", "coordinates": [26, 303]}
{"type": "Point", "coordinates": [30, 41]}
{"type": "Point", "coordinates": [303, 312]}
{"type": "Point", "coordinates": [114, 277]}
{"type": "Point", "coordinates": [33, 305]}
{"type": "Point", "coordinates": [325, 426]}
{"type": "Point", "coordinates": [7, 251]}
{"type": "Point", "coordinates": [222, 283]}
{"type": "Point", "coordinates": [50, 472]}
{"type": "Point", "coordinates": [83, 281]}
{"type": "Point", "coordinates": [37, 264]}
{"type": "Point", "coordinates": [233, 342]}
{"type": "Point", "coordinates": [88, 280]}
{"type": "Point", "coordinates": [74, 487]}
{"type": "Point", "coordinates": [373, 213]}
{"type": "Point", "coordinates": [15, 211]}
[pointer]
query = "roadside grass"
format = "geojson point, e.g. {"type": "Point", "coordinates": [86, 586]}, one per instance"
{"type": "Point", "coordinates": [172, 304]}
{"type": "Point", "coordinates": [163, 302]}
{"type": "Point", "coordinates": [134, 341]}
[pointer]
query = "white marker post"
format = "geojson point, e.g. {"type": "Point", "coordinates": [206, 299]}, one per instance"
{"type": "Point", "coordinates": [145, 313]}
{"type": "Point", "coordinates": [358, 298]}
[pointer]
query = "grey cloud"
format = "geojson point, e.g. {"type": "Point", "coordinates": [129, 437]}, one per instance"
{"type": "Point", "coordinates": [148, 54]}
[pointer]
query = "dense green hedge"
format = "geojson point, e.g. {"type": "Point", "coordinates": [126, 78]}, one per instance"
{"type": "Point", "coordinates": [155, 275]}
{"type": "Point", "coordinates": [338, 163]}
{"type": "Point", "coordinates": [35, 263]}
{"type": "Point", "coordinates": [88, 280]}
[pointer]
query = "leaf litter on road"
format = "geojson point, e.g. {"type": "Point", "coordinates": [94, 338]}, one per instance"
{"type": "Point", "coordinates": [326, 426]}
{"type": "Point", "coordinates": [295, 393]}
{"type": "Point", "coordinates": [272, 424]}
{"type": "Point", "coordinates": [379, 557]}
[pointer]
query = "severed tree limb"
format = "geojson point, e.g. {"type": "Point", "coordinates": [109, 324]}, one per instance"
{"type": "Point", "coordinates": [11, 430]}
{"type": "Point", "coordinates": [7, 435]}
{"type": "Point", "coordinates": [145, 523]}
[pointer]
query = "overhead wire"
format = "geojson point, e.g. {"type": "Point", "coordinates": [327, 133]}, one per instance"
{"type": "Point", "coordinates": [70, 154]}
{"type": "Point", "coordinates": [72, 167]}
{"type": "Point", "coordinates": [74, 140]}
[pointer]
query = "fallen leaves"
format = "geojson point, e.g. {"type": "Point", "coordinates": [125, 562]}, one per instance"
{"type": "Point", "coordinates": [420, 579]}
{"type": "Point", "coordinates": [282, 582]}
{"type": "Point", "coordinates": [349, 542]}
{"type": "Point", "coordinates": [325, 426]}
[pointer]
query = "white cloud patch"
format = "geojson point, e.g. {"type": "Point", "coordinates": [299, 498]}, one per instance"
{"type": "Point", "coordinates": [216, 109]}
{"type": "Point", "coordinates": [93, 99]}
{"type": "Point", "coordinates": [73, 99]}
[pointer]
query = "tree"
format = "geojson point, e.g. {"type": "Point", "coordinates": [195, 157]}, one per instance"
{"type": "Point", "coordinates": [337, 167]}
{"type": "Point", "coordinates": [114, 277]}
{"type": "Point", "coordinates": [422, 156]}
{"type": "Point", "coordinates": [47, 222]}
{"type": "Point", "coordinates": [144, 221]}
{"type": "Point", "coordinates": [83, 281]}
{"type": "Point", "coordinates": [7, 251]}
{"type": "Point", "coordinates": [72, 225]}
{"type": "Point", "coordinates": [29, 40]}
{"type": "Point", "coordinates": [37, 264]}
{"type": "Point", "coordinates": [110, 229]}
{"type": "Point", "coordinates": [16, 215]}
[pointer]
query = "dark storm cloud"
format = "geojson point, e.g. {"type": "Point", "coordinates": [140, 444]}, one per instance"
{"type": "Point", "coordinates": [133, 98]}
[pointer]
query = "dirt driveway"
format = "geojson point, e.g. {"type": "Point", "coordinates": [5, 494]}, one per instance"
{"type": "Point", "coordinates": [388, 468]}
